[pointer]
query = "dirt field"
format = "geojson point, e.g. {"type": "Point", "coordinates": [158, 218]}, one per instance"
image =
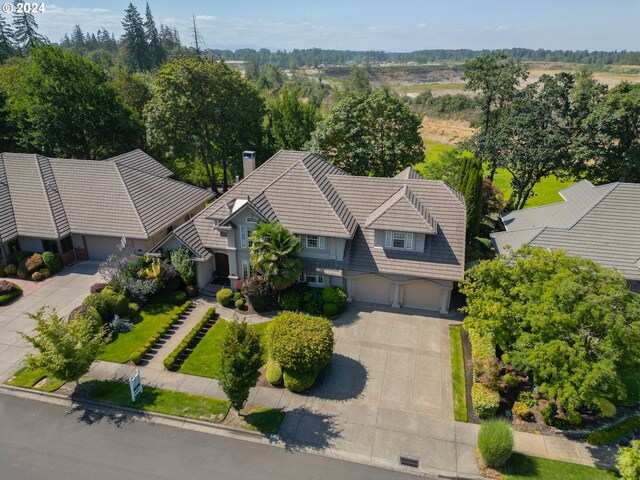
{"type": "Point", "coordinates": [447, 132]}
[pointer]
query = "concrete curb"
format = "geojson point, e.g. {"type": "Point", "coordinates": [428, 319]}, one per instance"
{"type": "Point", "coordinates": [204, 427]}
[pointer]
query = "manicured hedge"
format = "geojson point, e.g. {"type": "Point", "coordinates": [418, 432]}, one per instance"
{"type": "Point", "coordinates": [189, 340]}
{"type": "Point", "coordinates": [52, 261]}
{"type": "Point", "coordinates": [485, 401]}
{"type": "Point", "coordinates": [137, 356]}
{"type": "Point", "coordinates": [224, 296]}
{"type": "Point", "coordinates": [611, 434]}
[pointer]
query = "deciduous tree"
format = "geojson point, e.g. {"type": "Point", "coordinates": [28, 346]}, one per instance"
{"type": "Point", "coordinates": [290, 122]}
{"type": "Point", "coordinates": [240, 363]}
{"type": "Point", "coordinates": [372, 134]}
{"type": "Point", "coordinates": [204, 111]}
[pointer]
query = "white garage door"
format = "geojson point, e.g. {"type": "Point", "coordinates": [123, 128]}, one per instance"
{"type": "Point", "coordinates": [99, 248]}
{"type": "Point", "coordinates": [421, 294]}
{"type": "Point", "coordinates": [373, 289]}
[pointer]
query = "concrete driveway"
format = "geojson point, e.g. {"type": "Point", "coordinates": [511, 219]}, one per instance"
{"type": "Point", "coordinates": [65, 291]}
{"type": "Point", "coordinates": [387, 393]}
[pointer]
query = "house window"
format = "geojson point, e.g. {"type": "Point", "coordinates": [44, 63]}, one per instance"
{"type": "Point", "coordinates": [247, 269]}
{"type": "Point", "coordinates": [312, 278]}
{"type": "Point", "coordinates": [252, 220]}
{"type": "Point", "coordinates": [399, 240]}
{"type": "Point", "coordinates": [50, 246]}
{"type": "Point", "coordinates": [245, 233]}
{"type": "Point", "coordinates": [313, 241]}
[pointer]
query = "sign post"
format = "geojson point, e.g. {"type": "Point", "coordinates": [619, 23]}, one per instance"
{"type": "Point", "coordinates": [135, 385]}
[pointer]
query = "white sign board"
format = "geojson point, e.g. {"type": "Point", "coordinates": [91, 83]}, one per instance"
{"type": "Point", "coordinates": [135, 385]}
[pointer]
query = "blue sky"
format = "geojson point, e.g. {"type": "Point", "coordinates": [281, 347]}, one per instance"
{"type": "Point", "coordinates": [400, 25]}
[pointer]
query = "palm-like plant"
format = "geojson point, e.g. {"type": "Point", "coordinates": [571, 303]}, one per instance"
{"type": "Point", "coordinates": [274, 254]}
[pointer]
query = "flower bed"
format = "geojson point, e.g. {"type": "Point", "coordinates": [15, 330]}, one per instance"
{"type": "Point", "coordinates": [9, 291]}
{"type": "Point", "coordinates": [32, 266]}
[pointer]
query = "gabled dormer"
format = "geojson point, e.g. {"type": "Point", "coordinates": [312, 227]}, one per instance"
{"type": "Point", "coordinates": [401, 222]}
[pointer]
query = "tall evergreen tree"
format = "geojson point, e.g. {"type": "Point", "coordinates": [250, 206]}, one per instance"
{"type": "Point", "coordinates": [156, 50]}
{"type": "Point", "coordinates": [469, 183]}
{"type": "Point", "coordinates": [77, 39]}
{"type": "Point", "coordinates": [7, 44]}
{"type": "Point", "coordinates": [134, 40]}
{"type": "Point", "coordinates": [26, 29]}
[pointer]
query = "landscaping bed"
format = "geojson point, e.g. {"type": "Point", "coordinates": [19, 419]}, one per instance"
{"type": "Point", "coordinates": [9, 291]}
{"type": "Point", "coordinates": [197, 333]}
{"type": "Point", "coordinates": [204, 360]}
{"type": "Point", "coordinates": [36, 379]}
{"type": "Point", "coordinates": [145, 325]}
{"type": "Point", "coordinates": [32, 266]}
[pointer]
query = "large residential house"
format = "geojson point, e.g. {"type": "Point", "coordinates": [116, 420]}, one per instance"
{"type": "Point", "coordinates": [90, 209]}
{"type": "Point", "coordinates": [395, 241]}
{"type": "Point", "coordinates": [601, 223]}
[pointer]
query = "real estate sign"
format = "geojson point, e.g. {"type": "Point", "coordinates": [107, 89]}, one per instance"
{"type": "Point", "coordinates": [135, 385]}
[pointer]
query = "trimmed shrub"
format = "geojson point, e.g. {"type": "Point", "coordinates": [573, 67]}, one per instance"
{"type": "Point", "coordinates": [605, 408]}
{"type": "Point", "coordinates": [190, 340]}
{"type": "Point", "coordinates": [611, 434]}
{"type": "Point", "coordinates": [87, 312]}
{"type": "Point", "coordinates": [485, 401]}
{"type": "Point", "coordinates": [330, 310]}
{"type": "Point", "coordinates": [119, 305]}
{"type": "Point", "coordinates": [239, 303]}
{"type": "Point", "coordinates": [495, 442]}
{"type": "Point", "coordinates": [511, 381]}
{"type": "Point", "coordinates": [521, 411]}
{"type": "Point", "coordinates": [23, 273]}
{"type": "Point", "coordinates": [628, 461]}
{"type": "Point", "coordinates": [177, 297]}
{"type": "Point", "coordinates": [273, 372]}
{"type": "Point", "coordinates": [481, 346]}
{"type": "Point", "coordinates": [573, 417]}
{"type": "Point", "coordinates": [10, 269]}
{"type": "Point", "coordinates": [299, 382]}
{"type": "Point", "coordinates": [300, 342]}
{"type": "Point", "coordinates": [102, 303]}
{"type": "Point", "coordinates": [52, 261]}
{"type": "Point", "coordinates": [259, 293]}
{"type": "Point", "coordinates": [291, 299]}
{"type": "Point", "coordinates": [34, 263]}
{"type": "Point", "coordinates": [136, 357]}
{"type": "Point", "coordinates": [45, 272]}
{"type": "Point", "coordinates": [237, 296]}
{"type": "Point", "coordinates": [98, 287]}
{"type": "Point", "coordinates": [9, 294]}
{"type": "Point", "coordinates": [550, 413]}
{"type": "Point", "coordinates": [335, 295]}
{"type": "Point", "coordinates": [134, 308]}
{"type": "Point", "coordinates": [224, 296]}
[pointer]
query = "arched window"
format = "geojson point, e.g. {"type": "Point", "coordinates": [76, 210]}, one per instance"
{"type": "Point", "coordinates": [252, 220]}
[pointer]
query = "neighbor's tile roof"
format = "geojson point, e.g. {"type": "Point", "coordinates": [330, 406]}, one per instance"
{"type": "Point", "coordinates": [604, 226]}
{"type": "Point", "coordinates": [308, 195]}
{"type": "Point", "coordinates": [52, 197]}
{"type": "Point", "coordinates": [409, 174]}
{"type": "Point", "coordinates": [141, 161]}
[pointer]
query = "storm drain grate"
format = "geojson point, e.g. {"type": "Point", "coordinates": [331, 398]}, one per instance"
{"type": "Point", "coordinates": [409, 462]}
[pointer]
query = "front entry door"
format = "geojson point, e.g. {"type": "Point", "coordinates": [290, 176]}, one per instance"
{"type": "Point", "coordinates": [222, 265]}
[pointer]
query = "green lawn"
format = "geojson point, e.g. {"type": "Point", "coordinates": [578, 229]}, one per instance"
{"type": "Point", "coordinates": [264, 420]}
{"type": "Point", "coordinates": [546, 191]}
{"type": "Point", "coordinates": [145, 325]}
{"type": "Point", "coordinates": [28, 377]}
{"type": "Point", "coordinates": [524, 467]}
{"type": "Point", "coordinates": [434, 149]}
{"type": "Point", "coordinates": [162, 401]}
{"type": "Point", "coordinates": [205, 358]}
{"type": "Point", "coordinates": [457, 373]}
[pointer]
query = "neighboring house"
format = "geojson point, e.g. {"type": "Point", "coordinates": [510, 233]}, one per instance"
{"type": "Point", "coordinates": [600, 223]}
{"type": "Point", "coordinates": [395, 241]}
{"type": "Point", "coordinates": [90, 209]}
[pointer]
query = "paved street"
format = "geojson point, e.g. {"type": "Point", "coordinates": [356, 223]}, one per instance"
{"type": "Point", "coordinates": [42, 442]}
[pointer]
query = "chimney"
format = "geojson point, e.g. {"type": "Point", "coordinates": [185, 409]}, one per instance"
{"type": "Point", "coordinates": [248, 162]}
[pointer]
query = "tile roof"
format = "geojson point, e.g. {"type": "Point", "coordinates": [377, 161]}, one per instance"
{"type": "Point", "coordinates": [141, 161]}
{"type": "Point", "coordinates": [409, 174]}
{"type": "Point", "coordinates": [310, 196]}
{"type": "Point", "coordinates": [52, 197]}
{"type": "Point", "coordinates": [604, 226]}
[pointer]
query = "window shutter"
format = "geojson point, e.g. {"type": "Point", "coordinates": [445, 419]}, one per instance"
{"type": "Point", "coordinates": [409, 241]}
{"type": "Point", "coordinates": [321, 243]}
{"type": "Point", "coordinates": [388, 240]}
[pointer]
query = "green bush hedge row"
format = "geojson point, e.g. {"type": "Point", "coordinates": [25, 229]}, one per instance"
{"type": "Point", "coordinates": [611, 434]}
{"type": "Point", "coordinates": [170, 361]}
{"type": "Point", "coordinates": [137, 356]}
{"type": "Point", "coordinates": [485, 401]}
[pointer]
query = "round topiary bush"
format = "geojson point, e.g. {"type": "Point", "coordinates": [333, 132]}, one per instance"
{"type": "Point", "coordinates": [495, 442]}
{"type": "Point", "coordinates": [103, 303]}
{"type": "Point", "coordinates": [237, 296]}
{"type": "Point", "coordinates": [10, 269]}
{"type": "Point", "coordinates": [239, 303]}
{"type": "Point", "coordinates": [335, 295]}
{"type": "Point", "coordinates": [299, 382]}
{"type": "Point", "coordinates": [273, 372]}
{"type": "Point", "coordinates": [224, 296]}
{"type": "Point", "coordinates": [136, 357]}
{"type": "Point", "coordinates": [300, 342]}
{"type": "Point", "coordinates": [330, 310]}
{"type": "Point", "coordinates": [45, 272]}
{"type": "Point", "coordinates": [521, 411]}
{"type": "Point", "coordinates": [52, 262]}
{"type": "Point", "coordinates": [511, 381]}
{"type": "Point", "coordinates": [36, 276]}
{"type": "Point", "coordinates": [485, 401]}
